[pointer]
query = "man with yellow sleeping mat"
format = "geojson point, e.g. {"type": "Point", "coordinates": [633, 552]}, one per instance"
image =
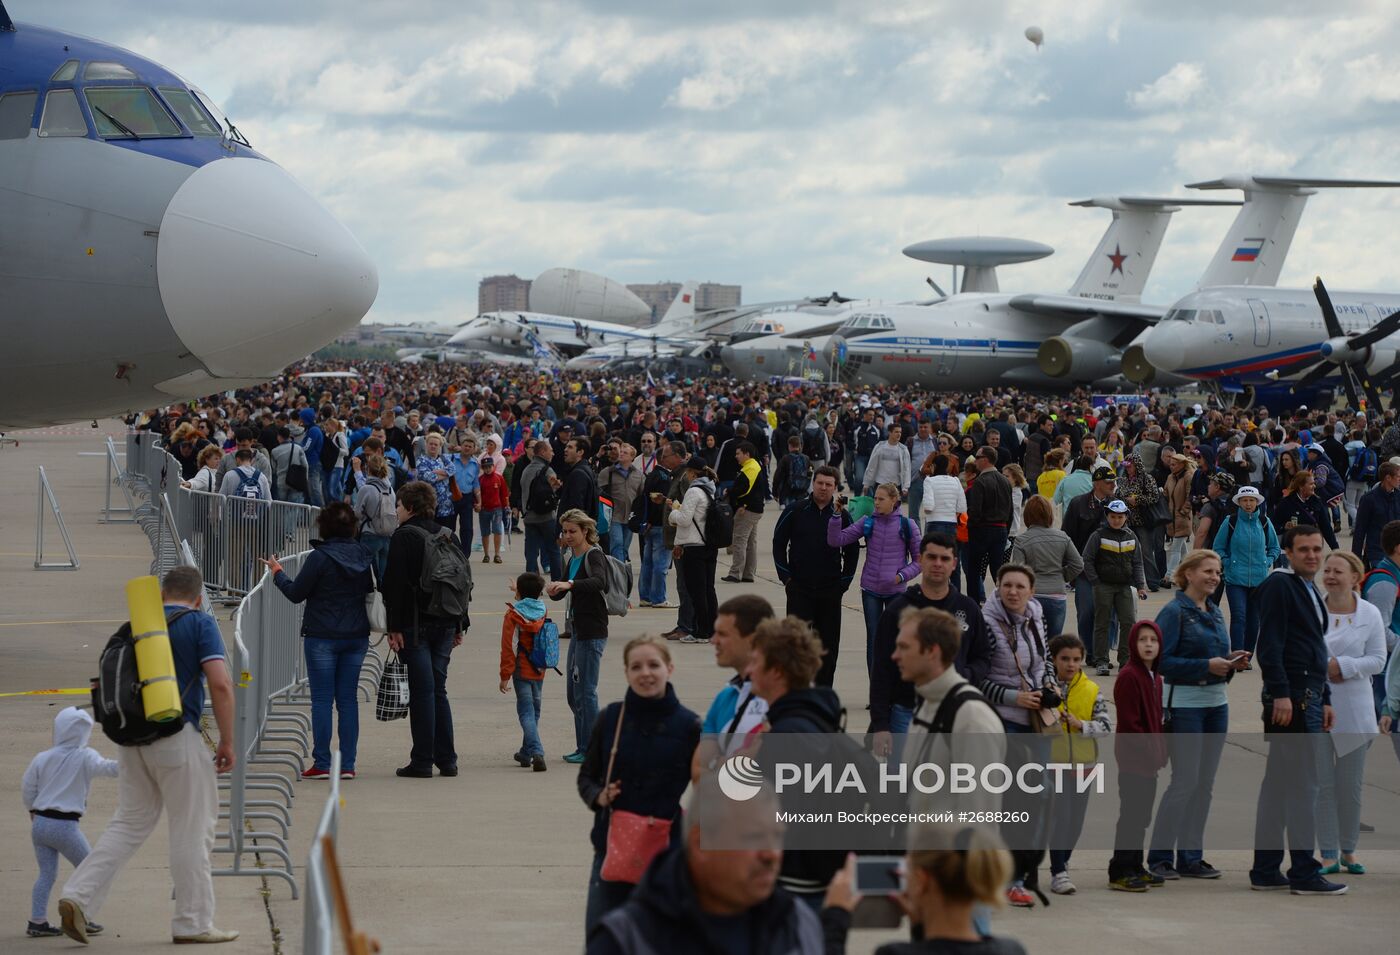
{"type": "Point", "coordinates": [174, 773]}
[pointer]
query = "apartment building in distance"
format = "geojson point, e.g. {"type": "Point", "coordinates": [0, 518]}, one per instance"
{"type": "Point", "coordinates": [503, 293]}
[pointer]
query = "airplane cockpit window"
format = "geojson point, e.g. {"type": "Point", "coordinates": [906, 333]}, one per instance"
{"type": "Point", "coordinates": [219, 116]}
{"type": "Point", "coordinates": [883, 321]}
{"type": "Point", "coordinates": [62, 115]}
{"type": "Point", "coordinates": [129, 112]}
{"type": "Point", "coordinates": [190, 112]}
{"type": "Point", "coordinates": [65, 73]}
{"type": "Point", "coordinates": [101, 70]}
{"type": "Point", "coordinates": [17, 114]}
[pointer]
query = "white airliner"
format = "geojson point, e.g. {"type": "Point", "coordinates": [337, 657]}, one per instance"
{"type": "Point", "coordinates": [980, 335]}
{"type": "Point", "coordinates": [147, 252]}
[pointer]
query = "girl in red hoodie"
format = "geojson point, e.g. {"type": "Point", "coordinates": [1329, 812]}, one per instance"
{"type": "Point", "coordinates": [1141, 751]}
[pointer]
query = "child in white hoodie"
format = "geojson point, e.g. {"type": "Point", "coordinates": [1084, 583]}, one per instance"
{"type": "Point", "coordinates": [55, 792]}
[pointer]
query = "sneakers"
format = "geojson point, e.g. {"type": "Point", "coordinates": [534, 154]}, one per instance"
{"type": "Point", "coordinates": [74, 922]}
{"type": "Point", "coordinates": [1019, 897]}
{"type": "Point", "coordinates": [211, 937]}
{"type": "Point", "coordinates": [1150, 880]}
{"type": "Point", "coordinates": [692, 638]}
{"type": "Point", "coordinates": [315, 772]}
{"type": "Point", "coordinates": [1270, 882]}
{"type": "Point", "coordinates": [731, 579]}
{"type": "Point", "coordinates": [347, 774]}
{"type": "Point", "coordinates": [1166, 871]}
{"type": "Point", "coordinates": [1198, 870]}
{"type": "Point", "coordinates": [1336, 866]}
{"type": "Point", "coordinates": [412, 772]}
{"type": "Point", "coordinates": [520, 758]}
{"type": "Point", "coordinates": [42, 930]}
{"type": "Point", "coordinates": [1103, 669]}
{"type": "Point", "coordinates": [1127, 883]}
{"type": "Point", "coordinates": [575, 757]}
{"type": "Point", "coordinates": [1317, 885]}
{"type": "Point", "coordinates": [645, 603]}
{"type": "Point", "coordinates": [537, 764]}
{"type": "Point", "coordinates": [667, 605]}
{"type": "Point", "coordinates": [1060, 884]}
{"type": "Point", "coordinates": [675, 634]}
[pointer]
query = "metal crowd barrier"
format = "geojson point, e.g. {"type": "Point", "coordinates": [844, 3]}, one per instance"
{"type": "Point", "coordinates": [318, 909]}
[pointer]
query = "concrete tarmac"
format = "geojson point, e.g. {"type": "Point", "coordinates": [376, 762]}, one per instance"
{"type": "Point", "coordinates": [497, 859]}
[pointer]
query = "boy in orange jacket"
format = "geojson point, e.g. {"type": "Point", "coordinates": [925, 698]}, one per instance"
{"type": "Point", "coordinates": [524, 618]}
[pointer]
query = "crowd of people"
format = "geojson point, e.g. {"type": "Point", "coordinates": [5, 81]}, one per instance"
{"type": "Point", "coordinates": [981, 517]}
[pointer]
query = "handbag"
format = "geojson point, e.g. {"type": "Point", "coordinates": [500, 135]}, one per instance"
{"type": "Point", "coordinates": [1158, 513]}
{"type": "Point", "coordinates": [1047, 718]}
{"type": "Point", "coordinates": [374, 609]}
{"type": "Point", "coordinates": [633, 839]}
{"type": "Point", "coordinates": [453, 489]}
{"type": "Point", "coordinates": [391, 700]}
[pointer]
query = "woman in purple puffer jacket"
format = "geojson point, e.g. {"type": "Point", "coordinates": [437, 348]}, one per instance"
{"type": "Point", "coordinates": [891, 557]}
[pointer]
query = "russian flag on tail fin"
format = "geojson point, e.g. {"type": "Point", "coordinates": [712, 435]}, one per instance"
{"type": "Point", "coordinates": [1248, 250]}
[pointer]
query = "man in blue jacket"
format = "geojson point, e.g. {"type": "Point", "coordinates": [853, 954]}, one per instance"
{"type": "Point", "coordinates": [311, 442]}
{"type": "Point", "coordinates": [1292, 657]}
{"type": "Point", "coordinates": [1377, 508]}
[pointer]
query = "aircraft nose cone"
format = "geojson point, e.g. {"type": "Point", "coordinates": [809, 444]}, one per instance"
{"type": "Point", "coordinates": [1164, 348]}
{"type": "Point", "coordinates": [254, 273]}
{"type": "Point", "coordinates": [730, 357]}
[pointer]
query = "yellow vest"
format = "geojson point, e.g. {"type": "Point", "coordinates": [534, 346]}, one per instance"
{"type": "Point", "coordinates": [1069, 745]}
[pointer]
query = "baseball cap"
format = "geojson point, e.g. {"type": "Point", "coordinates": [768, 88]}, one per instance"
{"type": "Point", "coordinates": [1117, 507]}
{"type": "Point", "coordinates": [1104, 474]}
{"type": "Point", "coordinates": [1318, 448]}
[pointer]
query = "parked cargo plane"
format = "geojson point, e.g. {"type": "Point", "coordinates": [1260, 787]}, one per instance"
{"type": "Point", "coordinates": [149, 252]}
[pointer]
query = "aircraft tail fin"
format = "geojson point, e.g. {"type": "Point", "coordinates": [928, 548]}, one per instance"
{"type": "Point", "coordinates": [1121, 263]}
{"type": "Point", "coordinates": [682, 310]}
{"type": "Point", "coordinates": [1257, 242]}
{"type": "Point", "coordinates": [6, 24]}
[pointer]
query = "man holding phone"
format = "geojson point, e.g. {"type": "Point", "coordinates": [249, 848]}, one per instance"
{"type": "Point", "coordinates": [1292, 656]}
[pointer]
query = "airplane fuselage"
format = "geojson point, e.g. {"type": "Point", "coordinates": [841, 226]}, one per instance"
{"type": "Point", "coordinates": [1239, 335]}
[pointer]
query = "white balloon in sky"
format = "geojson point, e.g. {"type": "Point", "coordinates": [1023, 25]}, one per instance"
{"type": "Point", "coordinates": [1036, 35]}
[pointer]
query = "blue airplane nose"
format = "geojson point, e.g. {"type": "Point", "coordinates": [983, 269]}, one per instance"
{"type": "Point", "coordinates": [254, 273]}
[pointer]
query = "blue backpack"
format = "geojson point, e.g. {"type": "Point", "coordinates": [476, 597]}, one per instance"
{"type": "Point", "coordinates": [544, 651]}
{"type": "Point", "coordinates": [867, 528]}
{"type": "Point", "coordinates": [1364, 469]}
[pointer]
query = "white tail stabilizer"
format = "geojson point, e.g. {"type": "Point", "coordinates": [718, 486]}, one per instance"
{"type": "Point", "coordinates": [1123, 260]}
{"type": "Point", "coordinates": [681, 315]}
{"type": "Point", "coordinates": [1257, 243]}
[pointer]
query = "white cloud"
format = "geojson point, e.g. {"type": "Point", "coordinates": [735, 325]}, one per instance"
{"type": "Point", "coordinates": [1172, 90]}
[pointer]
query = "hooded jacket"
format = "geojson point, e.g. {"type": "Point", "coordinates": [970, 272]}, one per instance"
{"type": "Point", "coordinates": [1248, 546]}
{"type": "Point", "coordinates": [663, 915]}
{"type": "Point", "coordinates": [1140, 747]}
{"type": "Point", "coordinates": [1018, 657]}
{"type": "Point", "coordinates": [332, 583]}
{"type": "Point", "coordinates": [689, 518]}
{"type": "Point", "coordinates": [1142, 485]}
{"type": "Point", "coordinates": [59, 777]}
{"type": "Point", "coordinates": [891, 550]}
{"type": "Point", "coordinates": [523, 620]}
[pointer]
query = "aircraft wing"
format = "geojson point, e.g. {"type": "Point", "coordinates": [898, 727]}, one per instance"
{"type": "Point", "coordinates": [1074, 308]}
{"type": "Point", "coordinates": [817, 331]}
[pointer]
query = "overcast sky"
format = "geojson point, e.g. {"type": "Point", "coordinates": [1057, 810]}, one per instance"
{"type": "Point", "coordinates": [792, 146]}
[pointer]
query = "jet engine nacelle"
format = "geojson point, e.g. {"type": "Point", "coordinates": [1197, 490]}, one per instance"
{"type": "Point", "coordinates": [1088, 359]}
{"type": "Point", "coordinates": [1136, 367]}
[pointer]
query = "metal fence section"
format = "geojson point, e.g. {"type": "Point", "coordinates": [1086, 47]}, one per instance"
{"type": "Point", "coordinates": [46, 496]}
{"type": "Point", "coordinates": [116, 477]}
{"type": "Point", "coordinates": [318, 908]}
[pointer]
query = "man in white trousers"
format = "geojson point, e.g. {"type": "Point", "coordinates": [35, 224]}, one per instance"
{"type": "Point", "coordinates": [175, 774]}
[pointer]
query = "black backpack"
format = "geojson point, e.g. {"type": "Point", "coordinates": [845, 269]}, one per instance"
{"type": "Point", "coordinates": [719, 522]}
{"type": "Point", "coordinates": [543, 498]}
{"type": "Point", "coordinates": [446, 578]}
{"type": "Point", "coordinates": [799, 474]}
{"type": "Point", "coordinates": [116, 693]}
{"type": "Point", "coordinates": [330, 453]}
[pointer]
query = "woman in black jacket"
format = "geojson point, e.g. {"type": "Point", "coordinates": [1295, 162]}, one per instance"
{"type": "Point", "coordinates": [423, 641]}
{"type": "Point", "coordinates": [333, 582]}
{"type": "Point", "coordinates": [586, 620]}
{"type": "Point", "coordinates": [1302, 505]}
{"type": "Point", "coordinates": [638, 761]}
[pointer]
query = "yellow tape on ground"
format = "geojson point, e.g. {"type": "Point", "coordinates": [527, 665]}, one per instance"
{"type": "Point", "coordinates": [66, 691]}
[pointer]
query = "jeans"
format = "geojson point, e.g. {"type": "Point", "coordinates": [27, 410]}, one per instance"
{"type": "Point", "coordinates": [315, 484]}
{"type": "Point", "coordinates": [1054, 611]}
{"type": "Point", "coordinates": [1288, 798]}
{"type": "Point", "coordinates": [333, 669]}
{"type": "Point", "coordinates": [50, 837]}
{"type": "Point", "coordinates": [335, 484]}
{"type": "Point", "coordinates": [1112, 600]}
{"type": "Point", "coordinates": [528, 694]}
{"type": "Point", "coordinates": [542, 549]}
{"type": "Point", "coordinates": [1244, 617]}
{"type": "Point", "coordinates": [1177, 548]}
{"type": "Point", "coordinates": [951, 529]}
{"type": "Point", "coordinates": [986, 551]}
{"type": "Point", "coordinates": [1195, 744]}
{"type": "Point", "coordinates": [655, 559]}
{"type": "Point", "coordinates": [1136, 794]}
{"type": "Point", "coordinates": [378, 548]}
{"type": "Point", "coordinates": [858, 472]}
{"type": "Point", "coordinates": [603, 897]}
{"type": "Point", "coordinates": [426, 652]}
{"type": "Point", "coordinates": [1339, 798]}
{"type": "Point", "coordinates": [584, 661]}
{"type": "Point", "coordinates": [620, 540]}
{"type": "Point", "coordinates": [821, 607]}
{"type": "Point", "coordinates": [1352, 500]}
{"type": "Point", "coordinates": [1067, 811]}
{"type": "Point", "coordinates": [698, 567]}
{"type": "Point", "coordinates": [873, 605]}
